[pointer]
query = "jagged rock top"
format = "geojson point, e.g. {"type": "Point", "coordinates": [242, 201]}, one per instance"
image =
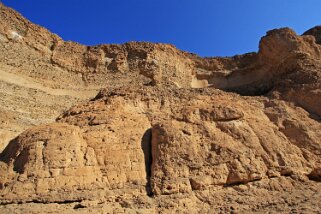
{"type": "Point", "coordinates": [315, 32]}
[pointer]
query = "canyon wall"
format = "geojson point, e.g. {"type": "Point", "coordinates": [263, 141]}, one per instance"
{"type": "Point", "coordinates": [149, 128]}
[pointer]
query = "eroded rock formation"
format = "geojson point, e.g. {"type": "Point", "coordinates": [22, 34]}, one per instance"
{"type": "Point", "coordinates": [169, 131]}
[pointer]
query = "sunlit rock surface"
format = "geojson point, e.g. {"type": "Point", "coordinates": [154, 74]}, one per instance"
{"type": "Point", "coordinates": [147, 128]}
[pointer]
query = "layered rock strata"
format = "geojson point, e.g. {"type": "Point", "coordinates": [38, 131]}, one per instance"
{"type": "Point", "coordinates": [169, 131]}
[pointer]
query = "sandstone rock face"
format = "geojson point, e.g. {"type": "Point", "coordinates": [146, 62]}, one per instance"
{"type": "Point", "coordinates": [37, 63]}
{"type": "Point", "coordinates": [56, 157]}
{"type": "Point", "coordinates": [169, 132]}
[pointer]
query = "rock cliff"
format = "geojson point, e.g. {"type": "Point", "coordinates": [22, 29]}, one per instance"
{"type": "Point", "coordinates": [143, 127]}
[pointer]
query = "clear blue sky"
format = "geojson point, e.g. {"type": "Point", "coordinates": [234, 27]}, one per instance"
{"type": "Point", "coordinates": [205, 27]}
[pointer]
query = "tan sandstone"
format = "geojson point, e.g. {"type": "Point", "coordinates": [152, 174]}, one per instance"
{"type": "Point", "coordinates": [168, 132]}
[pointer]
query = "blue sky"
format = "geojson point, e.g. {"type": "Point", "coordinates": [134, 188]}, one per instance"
{"type": "Point", "coordinates": [204, 27]}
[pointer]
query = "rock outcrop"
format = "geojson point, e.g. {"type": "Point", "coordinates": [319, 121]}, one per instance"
{"type": "Point", "coordinates": [315, 32]}
{"type": "Point", "coordinates": [169, 131]}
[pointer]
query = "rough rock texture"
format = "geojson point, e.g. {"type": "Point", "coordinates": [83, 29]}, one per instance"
{"type": "Point", "coordinates": [170, 131]}
{"type": "Point", "coordinates": [316, 32]}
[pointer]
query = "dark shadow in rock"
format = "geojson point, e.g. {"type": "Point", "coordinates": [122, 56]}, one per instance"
{"type": "Point", "coordinates": [315, 175]}
{"type": "Point", "coordinates": [146, 145]}
{"type": "Point", "coordinates": [252, 90]}
{"type": "Point", "coordinates": [16, 153]}
{"type": "Point", "coordinates": [10, 151]}
{"type": "Point", "coordinates": [79, 206]}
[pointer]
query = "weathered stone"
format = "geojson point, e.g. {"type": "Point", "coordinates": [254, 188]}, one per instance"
{"type": "Point", "coordinates": [167, 124]}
